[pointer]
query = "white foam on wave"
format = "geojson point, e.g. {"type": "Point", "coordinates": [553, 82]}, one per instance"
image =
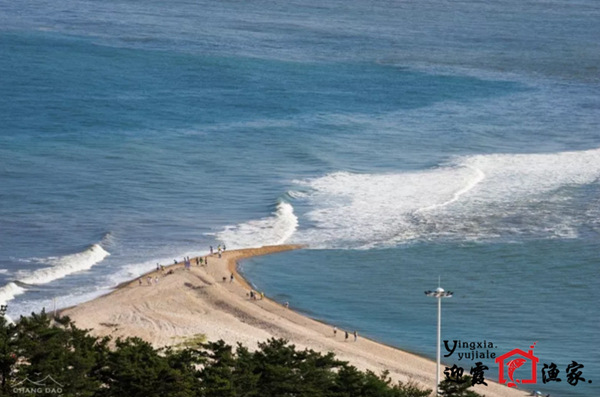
{"type": "Point", "coordinates": [470, 185]}
{"type": "Point", "coordinates": [507, 196]}
{"type": "Point", "coordinates": [272, 230]}
{"type": "Point", "coordinates": [9, 291]}
{"type": "Point", "coordinates": [58, 267]}
{"type": "Point", "coordinates": [294, 194]}
{"type": "Point", "coordinates": [65, 265]}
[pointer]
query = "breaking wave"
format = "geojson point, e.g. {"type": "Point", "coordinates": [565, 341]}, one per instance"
{"type": "Point", "coordinates": [273, 230]}
{"type": "Point", "coordinates": [57, 267]}
{"type": "Point", "coordinates": [9, 291]}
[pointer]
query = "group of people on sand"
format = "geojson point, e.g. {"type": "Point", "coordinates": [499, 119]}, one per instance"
{"type": "Point", "coordinates": [346, 335]}
{"type": "Point", "coordinates": [254, 295]}
{"type": "Point", "coordinates": [220, 250]}
{"type": "Point", "coordinates": [154, 280]}
{"type": "Point", "coordinates": [150, 280]}
{"type": "Point", "coordinates": [187, 263]}
{"type": "Point", "coordinates": [201, 261]}
{"type": "Point", "coordinates": [162, 269]}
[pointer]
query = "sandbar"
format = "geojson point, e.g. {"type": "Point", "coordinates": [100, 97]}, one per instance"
{"type": "Point", "coordinates": [205, 301]}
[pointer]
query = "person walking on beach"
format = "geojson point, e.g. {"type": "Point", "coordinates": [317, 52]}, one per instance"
{"type": "Point", "coordinates": [355, 335]}
{"type": "Point", "coordinates": [346, 335]}
{"type": "Point", "coordinates": [334, 332]}
{"type": "Point", "coordinates": [231, 278]}
{"type": "Point", "coordinates": [140, 281]}
{"type": "Point", "coordinates": [211, 250]}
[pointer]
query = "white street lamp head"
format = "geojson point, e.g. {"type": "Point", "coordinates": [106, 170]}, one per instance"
{"type": "Point", "coordinates": [439, 293]}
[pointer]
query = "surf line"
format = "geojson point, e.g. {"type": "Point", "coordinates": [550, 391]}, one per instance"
{"type": "Point", "coordinates": [480, 176]}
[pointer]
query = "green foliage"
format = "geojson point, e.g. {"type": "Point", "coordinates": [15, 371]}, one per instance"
{"type": "Point", "coordinates": [245, 376]}
{"type": "Point", "coordinates": [135, 368]}
{"type": "Point", "coordinates": [8, 357]}
{"type": "Point", "coordinates": [351, 382]}
{"type": "Point", "coordinates": [277, 369]}
{"type": "Point", "coordinates": [217, 376]}
{"type": "Point", "coordinates": [285, 371]}
{"type": "Point", "coordinates": [39, 346]}
{"type": "Point", "coordinates": [60, 350]}
{"type": "Point", "coordinates": [449, 388]}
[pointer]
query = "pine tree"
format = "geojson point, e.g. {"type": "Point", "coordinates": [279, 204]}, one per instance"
{"type": "Point", "coordinates": [449, 388]}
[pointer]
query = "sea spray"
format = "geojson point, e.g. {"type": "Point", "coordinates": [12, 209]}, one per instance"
{"type": "Point", "coordinates": [9, 291]}
{"type": "Point", "coordinates": [272, 230]}
{"type": "Point", "coordinates": [59, 268]}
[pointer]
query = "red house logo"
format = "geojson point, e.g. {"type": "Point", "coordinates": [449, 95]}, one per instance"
{"type": "Point", "coordinates": [513, 361]}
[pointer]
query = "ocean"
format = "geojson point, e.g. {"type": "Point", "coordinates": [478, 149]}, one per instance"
{"type": "Point", "coordinates": [408, 144]}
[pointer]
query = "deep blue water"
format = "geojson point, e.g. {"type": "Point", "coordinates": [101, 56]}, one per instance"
{"type": "Point", "coordinates": [401, 141]}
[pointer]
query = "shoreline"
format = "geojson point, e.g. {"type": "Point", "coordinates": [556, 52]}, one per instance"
{"type": "Point", "coordinates": [247, 284]}
{"type": "Point", "coordinates": [204, 300]}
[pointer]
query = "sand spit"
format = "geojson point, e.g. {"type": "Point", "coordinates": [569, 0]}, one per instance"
{"type": "Point", "coordinates": [204, 300]}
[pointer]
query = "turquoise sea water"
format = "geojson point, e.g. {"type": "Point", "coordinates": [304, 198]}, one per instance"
{"type": "Point", "coordinates": [401, 141]}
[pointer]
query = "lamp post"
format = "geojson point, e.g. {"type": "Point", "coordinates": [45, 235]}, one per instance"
{"type": "Point", "coordinates": [439, 293]}
{"type": "Point", "coordinates": [5, 341]}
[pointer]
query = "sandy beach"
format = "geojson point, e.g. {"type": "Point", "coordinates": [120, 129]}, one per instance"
{"type": "Point", "coordinates": [204, 301]}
